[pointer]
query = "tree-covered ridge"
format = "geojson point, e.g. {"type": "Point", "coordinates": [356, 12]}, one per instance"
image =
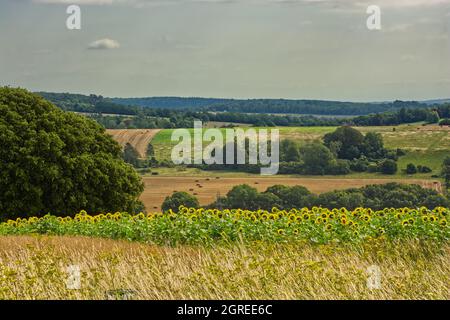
{"type": "Point", "coordinates": [276, 106]}
{"type": "Point", "coordinates": [111, 114]}
{"type": "Point", "coordinates": [170, 102]}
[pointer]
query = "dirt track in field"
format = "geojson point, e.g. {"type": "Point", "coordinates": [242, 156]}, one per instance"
{"type": "Point", "coordinates": [207, 189]}
{"type": "Point", "coordinates": [138, 138]}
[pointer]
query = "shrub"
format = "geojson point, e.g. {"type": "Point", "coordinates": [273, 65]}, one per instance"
{"type": "Point", "coordinates": [424, 169]}
{"type": "Point", "coordinates": [338, 167]}
{"type": "Point", "coordinates": [178, 199]}
{"type": "Point", "coordinates": [359, 165]}
{"type": "Point", "coordinates": [411, 168]}
{"type": "Point", "coordinates": [388, 166]}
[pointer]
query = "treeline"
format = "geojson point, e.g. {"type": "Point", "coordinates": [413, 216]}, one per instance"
{"type": "Point", "coordinates": [311, 107]}
{"type": "Point", "coordinates": [429, 115]}
{"type": "Point", "coordinates": [182, 112]}
{"type": "Point", "coordinates": [376, 197]}
{"type": "Point", "coordinates": [170, 102]}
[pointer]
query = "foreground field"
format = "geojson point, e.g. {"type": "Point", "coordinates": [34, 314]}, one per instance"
{"type": "Point", "coordinates": [207, 188]}
{"type": "Point", "coordinates": [36, 268]}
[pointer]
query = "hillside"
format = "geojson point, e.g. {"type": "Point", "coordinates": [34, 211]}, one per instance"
{"type": "Point", "coordinates": [96, 103]}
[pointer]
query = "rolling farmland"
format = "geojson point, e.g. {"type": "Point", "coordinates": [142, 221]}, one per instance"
{"type": "Point", "coordinates": [138, 138]}
{"type": "Point", "coordinates": [206, 189]}
{"type": "Point", "coordinates": [426, 145]}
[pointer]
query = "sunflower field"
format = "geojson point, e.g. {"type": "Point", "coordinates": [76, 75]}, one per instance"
{"type": "Point", "coordinates": [210, 226]}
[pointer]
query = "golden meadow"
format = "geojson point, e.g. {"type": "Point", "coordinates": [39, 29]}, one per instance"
{"type": "Point", "coordinates": [209, 227]}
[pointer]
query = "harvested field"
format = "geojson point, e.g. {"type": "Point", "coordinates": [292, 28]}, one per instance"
{"type": "Point", "coordinates": [138, 138]}
{"type": "Point", "coordinates": [206, 189]}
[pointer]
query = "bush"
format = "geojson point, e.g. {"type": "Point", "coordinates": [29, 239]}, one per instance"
{"type": "Point", "coordinates": [424, 169]}
{"type": "Point", "coordinates": [372, 168]}
{"type": "Point", "coordinates": [388, 166]}
{"type": "Point", "coordinates": [58, 162]}
{"type": "Point", "coordinates": [359, 165]}
{"type": "Point", "coordinates": [338, 167]}
{"type": "Point", "coordinates": [177, 199]}
{"type": "Point", "coordinates": [411, 168]}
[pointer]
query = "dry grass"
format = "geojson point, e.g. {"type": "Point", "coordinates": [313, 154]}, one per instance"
{"type": "Point", "coordinates": [34, 268]}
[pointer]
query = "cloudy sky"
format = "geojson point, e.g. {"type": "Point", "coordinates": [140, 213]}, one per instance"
{"type": "Point", "coordinates": [318, 49]}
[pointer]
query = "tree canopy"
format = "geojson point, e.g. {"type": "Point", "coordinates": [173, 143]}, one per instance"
{"type": "Point", "coordinates": [58, 162]}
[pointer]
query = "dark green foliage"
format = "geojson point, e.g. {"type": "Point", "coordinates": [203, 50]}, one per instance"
{"type": "Point", "coordinates": [377, 197]}
{"type": "Point", "coordinates": [446, 171]}
{"type": "Point", "coordinates": [360, 165]}
{"type": "Point", "coordinates": [242, 196]}
{"type": "Point", "coordinates": [291, 197]}
{"type": "Point", "coordinates": [388, 166]}
{"type": "Point", "coordinates": [338, 167]}
{"type": "Point", "coordinates": [423, 169]}
{"type": "Point", "coordinates": [350, 141]}
{"type": "Point", "coordinates": [411, 168]}
{"type": "Point", "coordinates": [130, 155]}
{"type": "Point", "coordinates": [316, 158]}
{"type": "Point", "coordinates": [289, 151]}
{"type": "Point", "coordinates": [177, 199]}
{"type": "Point", "coordinates": [57, 162]}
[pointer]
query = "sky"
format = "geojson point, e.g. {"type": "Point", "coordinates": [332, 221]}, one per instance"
{"type": "Point", "coordinates": [292, 49]}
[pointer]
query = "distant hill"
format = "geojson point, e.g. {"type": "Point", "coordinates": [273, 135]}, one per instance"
{"type": "Point", "coordinates": [95, 103]}
{"type": "Point", "coordinates": [170, 102]}
{"type": "Point", "coordinates": [273, 106]}
{"type": "Point", "coordinates": [437, 101]}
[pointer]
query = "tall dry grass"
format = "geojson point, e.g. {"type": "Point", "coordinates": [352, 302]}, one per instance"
{"type": "Point", "coordinates": [35, 268]}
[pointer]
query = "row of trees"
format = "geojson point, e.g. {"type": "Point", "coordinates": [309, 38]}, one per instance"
{"type": "Point", "coordinates": [377, 197]}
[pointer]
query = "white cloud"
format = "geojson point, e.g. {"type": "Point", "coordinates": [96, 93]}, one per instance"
{"type": "Point", "coordinates": [104, 44]}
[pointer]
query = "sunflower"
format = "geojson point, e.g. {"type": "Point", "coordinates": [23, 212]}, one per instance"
{"type": "Point", "coordinates": [295, 231]}
{"type": "Point", "coordinates": [319, 220]}
{"type": "Point", "coordinates": [366, 218]}
{"type": "Point", "coordinates": [280, 231]}
{"type": "Point", "coordinates": [405, 223]}
{"type": "Point", "coordinates": [443, 222]}
{"type": "Point", "coordinates": [328, 227]}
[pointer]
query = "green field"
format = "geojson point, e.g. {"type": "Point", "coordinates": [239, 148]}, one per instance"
{"type": "Point", "coordinates": [425, 145]}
